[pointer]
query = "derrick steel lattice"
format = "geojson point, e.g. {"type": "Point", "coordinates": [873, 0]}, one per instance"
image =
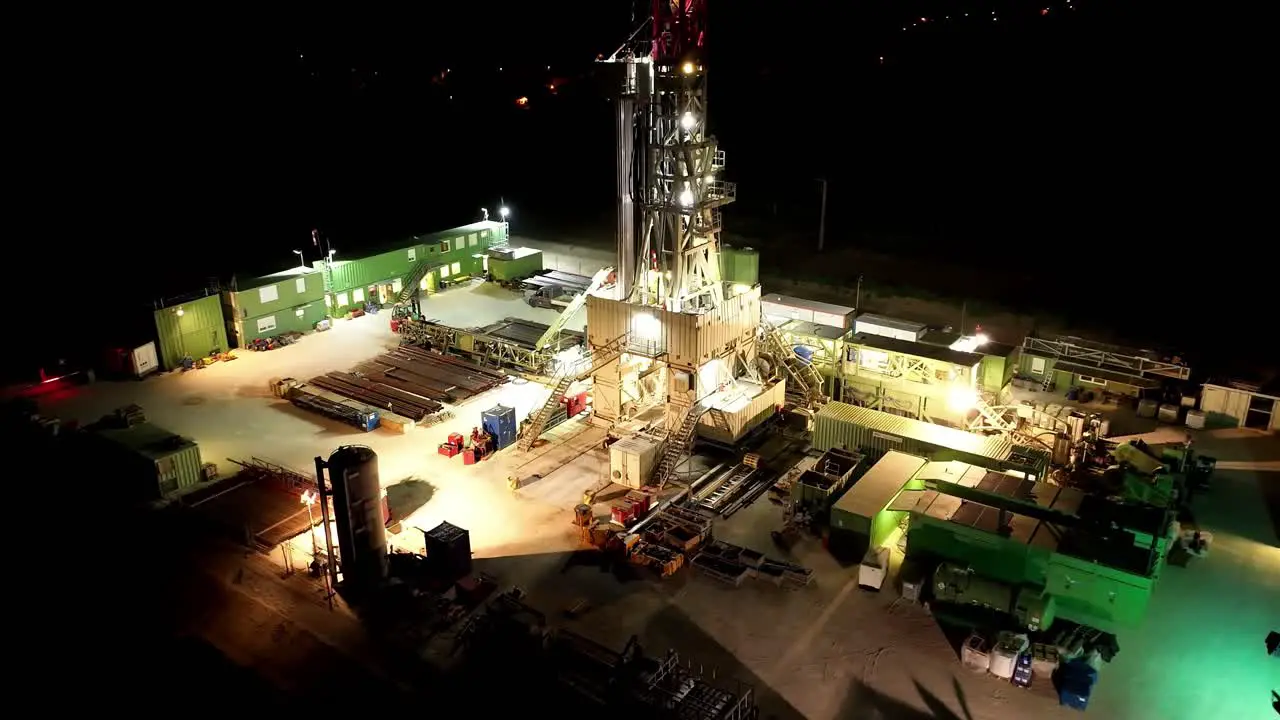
{"type": "Point", "coordinates": [669, 165]}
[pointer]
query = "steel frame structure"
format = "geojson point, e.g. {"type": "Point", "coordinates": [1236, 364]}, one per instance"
{"type": "Point", "coordinates": [668, 166]}
{"type": "Point", "coordinates": [1105, 359]}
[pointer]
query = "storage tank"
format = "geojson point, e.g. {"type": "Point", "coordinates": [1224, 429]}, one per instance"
{"type": "Point", "coordinates": [357, 504]}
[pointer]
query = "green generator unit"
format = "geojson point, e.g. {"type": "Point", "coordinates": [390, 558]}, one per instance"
{"type": "Point", "coordinates": [1031, 607]}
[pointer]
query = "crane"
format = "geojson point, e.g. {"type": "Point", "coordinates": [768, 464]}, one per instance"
{"type": "Point", "coordinates": [599, 280]}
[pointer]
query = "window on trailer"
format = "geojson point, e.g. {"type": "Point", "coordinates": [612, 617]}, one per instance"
{"type": "Point", "coordinates": [357, 295]}
{"type": "Point", "coordinates": [1092, 380]}
{"type": "Point", "coordinates": [300, 285]}
{"type": "Point", "coordinates": [1037, 366]}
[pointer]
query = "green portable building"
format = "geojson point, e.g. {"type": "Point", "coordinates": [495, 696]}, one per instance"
{"type": "Point", "coordinates": [195, 327]}
{"type": "Point", "coordinates": [382, 278]}
{"type": "Point", "coordinates": [150, 461]}
{"type": "Point", "coordinates": [865, 515]}
{"type": "Point", "coordinates": [510, 264]}
{"type": "Point", "coordinates": [739, 265]}
{"type": "Point", "coordinates": [288, 301]}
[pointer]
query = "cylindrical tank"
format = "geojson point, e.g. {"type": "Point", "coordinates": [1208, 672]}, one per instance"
{"type": "Point", "coordinates": [357, 504]}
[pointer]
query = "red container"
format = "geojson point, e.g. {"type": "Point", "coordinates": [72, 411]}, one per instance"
{"type": "Point", "coordinates": [623, 513]}
{"type": "Point", "coordinates": [639, 502]}
{"type": "Point", "coordinates": [469, 457]}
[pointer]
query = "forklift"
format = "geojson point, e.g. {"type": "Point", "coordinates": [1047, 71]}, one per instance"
{"type": "Point", "coordinates": [405, 311]}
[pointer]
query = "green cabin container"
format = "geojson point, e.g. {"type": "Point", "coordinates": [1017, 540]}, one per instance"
{"type": "Point", "coordinates": [862, 517]}
{"type": "Point", "coordinates": [515, 264]}
{"type": "Point", "coordinates": [196, 328]}
{"type": "Point", "coordinates": [739, 265]}
{"type": "Point", "coordinates": [381, 277]}
{"type": "Point", "coordinates": [283, 302]}
{"type": "Point", "coordinates": [151, 462]}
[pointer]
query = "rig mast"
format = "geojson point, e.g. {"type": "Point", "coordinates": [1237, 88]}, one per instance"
{"type": "Point", "coordinates": [668, 165]}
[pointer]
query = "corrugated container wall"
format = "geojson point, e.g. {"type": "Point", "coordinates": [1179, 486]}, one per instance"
{"type": "Point", "coordinates": [300, 319]}
{"type": "Point", "coordinates": [198, 331]}
{"type": "Point", "coordinates": [761, 407]}
{"type": "Point", "coordinates": [518, 267]}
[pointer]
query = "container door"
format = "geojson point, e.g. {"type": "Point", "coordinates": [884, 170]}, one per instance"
{"type": "Point", "coordinates": [145, 360]}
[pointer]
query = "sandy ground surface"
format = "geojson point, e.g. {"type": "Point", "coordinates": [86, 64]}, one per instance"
{"type": "Point", "coordinates": [828, 651]}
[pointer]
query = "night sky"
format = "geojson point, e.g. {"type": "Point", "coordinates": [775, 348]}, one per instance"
{"type": "Point", "coordinates": [1067, 141]}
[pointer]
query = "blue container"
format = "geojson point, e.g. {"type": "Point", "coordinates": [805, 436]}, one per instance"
{"type": "Point", "coordinates": [1075, 684]}
{"type": "Point", "coordinates": [500, 422]}
{"type": "Point", "coordinates": [804, 353]}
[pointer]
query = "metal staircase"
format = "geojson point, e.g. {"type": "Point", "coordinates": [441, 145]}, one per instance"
{"type": "Point", "coordinates": [995, 420]}
{"type": "Point", "coordinates": [410, 287]}
{"type": "Point", "coordinates": [571, 373]}
{"type": "Point", "coordinates": [804, 379]}
{"type": "Point", "coordinates": [721, 422]}
{"type": "Point", "coordinates": [677, 445]}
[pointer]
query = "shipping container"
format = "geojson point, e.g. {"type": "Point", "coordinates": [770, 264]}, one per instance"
{"type": "Point", "coordinates": [150, 461]}
{"type": "Point", "coordinates": [196, 329]}
{"type": "Point", "coordinates": [780, 308]}
{"type": "Point", "coordinates": [849, 427]}
{"type": "Point", "coordinates": [743, 412]}
{"type": "Point", "coordinates": [864, 509]}
{"type": "Point", "coordinates": [515, 264]}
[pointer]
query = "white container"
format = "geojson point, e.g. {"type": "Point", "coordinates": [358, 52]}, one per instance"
{"type": "Point", "coordinates": [889, 327]}
{"type": "Point", "coordinates": [974, 654]}
{"type": "Point", "coordinates": [1168, 413]}
{"type": "Point", "coordinates": [874, 567]}
{"type": "Point", "coordinates": [631, 460]}
{"type": "Point", "coordinates": [1002, 663]}
{"type": "Point", "coordinates": [1147, 408]}
{"type": "Point", "coordinates": [1195, 419]}
{"type": "Point", "coordinates": [1104, 428]}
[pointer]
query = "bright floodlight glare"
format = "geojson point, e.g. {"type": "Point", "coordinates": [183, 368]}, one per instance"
{"type": "Point", "coordinates": [504, 211]}
{"type": "Point", "coordinates": [686, 198]}
{"type": "Point", "coordinates": [646, 327]}
{"type": "Point", "coordinates": [962, 399]}
{"type": "Point", "coordinates": [688, 68]}
{"type": "Point", "coordinates": [180, 312]}
{"type": "Point", "coordinates": [686, 121]}
{"type": "Point", "coordinates": [982, 338]}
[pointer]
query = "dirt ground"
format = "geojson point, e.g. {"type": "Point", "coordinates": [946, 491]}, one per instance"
{"type": "Point", "coordinates": [827, 651]}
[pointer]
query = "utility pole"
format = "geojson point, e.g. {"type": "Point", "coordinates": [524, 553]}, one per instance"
{"type": "Point", "coordinates": [857, 302]}
{"type": "Point", "coordinates": [822, 217]}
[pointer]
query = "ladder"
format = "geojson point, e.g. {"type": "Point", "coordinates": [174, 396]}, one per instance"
{"type": "Point", "coordinates": [732, 483]}
{"type": "Point", "coordinates": [410, 287]}
{"type": "Point", "coordinates": [677, 443]}
{"type": "Point", "coordinates": [806, 380]}
{"type": "Point", "coordinates": [721, 422]}
{"type": "Point", "coordinates": [590, 362]}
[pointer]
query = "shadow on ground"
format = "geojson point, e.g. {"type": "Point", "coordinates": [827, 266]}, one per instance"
{"type": "Point", "coordinates": [864, 702]}
{"type": "Point", "coordinates": [407, 496]}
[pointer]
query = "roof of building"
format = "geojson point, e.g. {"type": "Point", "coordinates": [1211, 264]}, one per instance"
{"type": "Point", "coordinates": [813, 305]}
{"type": "Point", "coordinates": [895, 323]}
{"type": "Point", "coordinates": [146, 440]}
{"type": "Point", "coordinates": [804, 327]}
{"type": "Point", "coordinates": [918, 349]}
{"type": "Point", "coordinates": [875, 490]}
{"type": "Point", "coordinates": [946, 338]}
{"type": "Point", "coordinates": [264, 280]}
